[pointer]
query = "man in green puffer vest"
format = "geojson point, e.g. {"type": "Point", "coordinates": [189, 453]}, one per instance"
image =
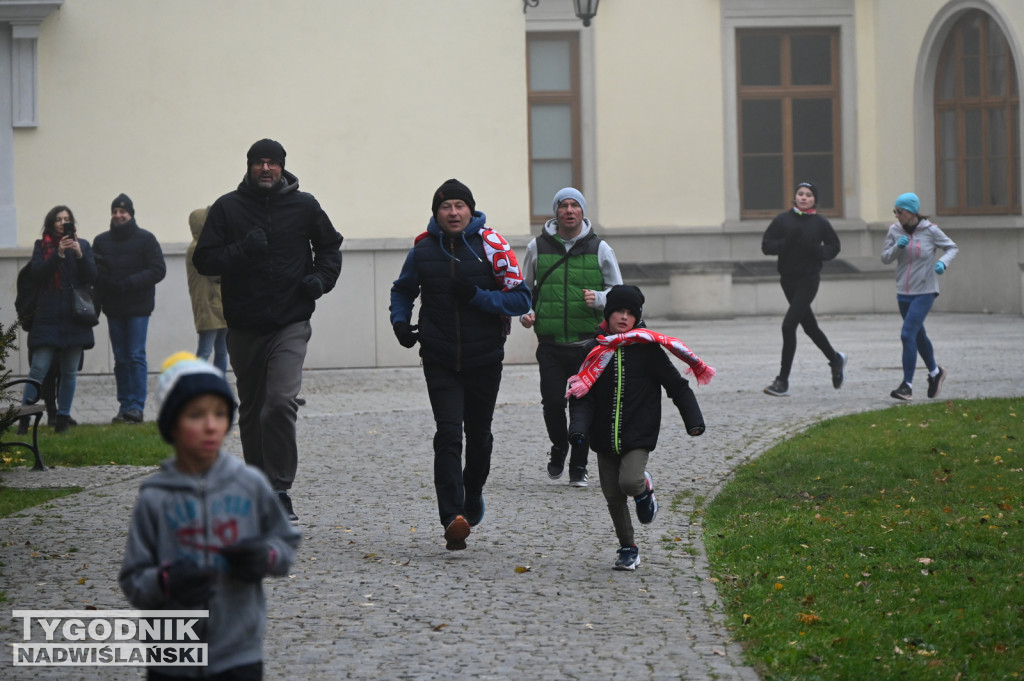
{"type": "Point", "coordinates": [570, 270]}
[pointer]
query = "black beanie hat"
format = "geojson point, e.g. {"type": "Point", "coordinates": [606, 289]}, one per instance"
{"type": "Point", "coordinates": [623, 296]}
{"type": "Point", "coordinates": [814, 190]}
{"type": "Point", "coordinates": [122, 201]}
{"type": "Point", "coordinates": [266, 148]}
{"type": "Point", "coordinates": [452, 189]}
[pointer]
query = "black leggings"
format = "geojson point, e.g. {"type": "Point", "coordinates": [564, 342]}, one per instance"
{"type": "Point", "coordinates": [800, 293]}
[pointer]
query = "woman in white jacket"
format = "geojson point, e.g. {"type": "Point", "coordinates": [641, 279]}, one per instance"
{"type": "Point", "coordinates": [913, 242]}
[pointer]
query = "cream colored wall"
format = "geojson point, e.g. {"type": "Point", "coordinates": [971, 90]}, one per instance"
{"type": "Point", "coordinates": [659, 128]}
{"type": "Point", "coordinates": [377, 103]}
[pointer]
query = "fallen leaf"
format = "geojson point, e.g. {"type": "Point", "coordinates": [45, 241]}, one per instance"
{"type": "Point", "coordinates": [520, 569]}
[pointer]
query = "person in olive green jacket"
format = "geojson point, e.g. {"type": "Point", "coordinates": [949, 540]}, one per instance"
{"type": "Point", "coordinates": [570, 271]}
{"type": "Point", "coordinates": [207, 308]}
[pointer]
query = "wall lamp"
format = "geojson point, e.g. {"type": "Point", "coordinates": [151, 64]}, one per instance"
{"type": "Point", "coordinates": [584, 9]}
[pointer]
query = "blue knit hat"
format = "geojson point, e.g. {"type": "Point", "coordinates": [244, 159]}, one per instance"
{"type": "Point", "coordinates": [569, 193]}
{"type": "Point", "coordinates": [909, 202]}
{"type": "Point", "coordinates": [186, 377]}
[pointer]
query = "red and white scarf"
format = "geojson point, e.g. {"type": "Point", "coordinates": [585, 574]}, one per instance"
{"type": "Point", "coordinates": [502, 258]}
{"type": "Point", "coordinates": [596, 362]}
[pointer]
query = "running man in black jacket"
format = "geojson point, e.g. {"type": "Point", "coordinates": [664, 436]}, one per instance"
{"type": "Point", "coordinates": [276, 253]}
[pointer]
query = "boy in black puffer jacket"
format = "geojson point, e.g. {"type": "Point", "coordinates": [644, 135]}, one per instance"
{"type": "Point", "coordinates": [616, 406]}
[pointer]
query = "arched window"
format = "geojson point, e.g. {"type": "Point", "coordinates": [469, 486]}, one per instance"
{"type": "Point", "coordinates": [977, 131]}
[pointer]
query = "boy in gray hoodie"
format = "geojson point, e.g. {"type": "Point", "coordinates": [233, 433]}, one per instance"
{"type": "Point", "coordinates": [206, 528]}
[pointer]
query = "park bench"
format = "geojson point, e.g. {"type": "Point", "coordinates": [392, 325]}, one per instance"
{"type": "Point", "coordinates": [34, 410]}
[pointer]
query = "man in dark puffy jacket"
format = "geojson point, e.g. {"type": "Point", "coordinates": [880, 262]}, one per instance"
{"type": "Point", "coordinates": [130, 263]}
{"type": "Point", "coordinates": [469, 283]}
{"type": "Point", "coordinates": [276, 253]}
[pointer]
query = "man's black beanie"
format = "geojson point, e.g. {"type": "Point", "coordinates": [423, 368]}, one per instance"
{"type": "Point", "coordinates": [450, 190]}
{"type": "Point", "coordinates": [266, 148]}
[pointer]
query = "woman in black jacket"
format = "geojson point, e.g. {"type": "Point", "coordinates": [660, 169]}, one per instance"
{"type": "Point", "coordinates": [803, 240]}
{"type": "Point", "coordinates": [60, 262]}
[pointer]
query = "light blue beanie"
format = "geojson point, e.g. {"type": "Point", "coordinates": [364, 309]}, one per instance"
{"type": "Point", "coordinates": [909, 202]}
{"type": "Point", "coordinates": [569, 193]}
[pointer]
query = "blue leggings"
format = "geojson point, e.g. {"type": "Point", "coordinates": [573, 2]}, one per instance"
{"type": "Point", "coordinates": [914, 309]}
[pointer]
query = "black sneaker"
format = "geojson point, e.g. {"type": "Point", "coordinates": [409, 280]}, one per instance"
{"type": "Point", "coordinates": [455, 534]}
{"type": "Point", "coordinates": [578, 476]}
{"type": "Point", "coordinates": [935, 382]}
{"type": "Point", "coordinates": [286, 504]}
{"type": "Point", "coordinates": [475, 509]}
{"type": "Point", "coordinates": [300, 401]}
{"type": "Point", "coordinates": [838, 370]}
{"type": "Point", "coordinates": [120, 418]}
{"type": "Point", "coordinates": [646, 503]}
{"type": "Point", "coordinates": [903, 392]}
{"type": "Point", "coordinates": [133, 416]}
{"type": "Point", "coordinates": [557, 464]}
{"type": "Point", "coordinates": [628, 558]}
{"type": "Point", "coordinates": [779, 387]}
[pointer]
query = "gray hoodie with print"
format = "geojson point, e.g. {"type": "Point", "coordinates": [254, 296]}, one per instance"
{"type": "Point", "coordinates": [193, 517]}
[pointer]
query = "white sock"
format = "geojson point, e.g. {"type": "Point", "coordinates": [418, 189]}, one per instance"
{"type": "Point", "coordinates": [935, 373]}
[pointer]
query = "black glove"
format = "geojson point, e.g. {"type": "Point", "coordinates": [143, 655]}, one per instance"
{"type": "Point", "coordinates": [255, 241]}
{"type": "Point", "coordinates": [463, 292]}
{"type": "Point", "coordinates": [314, 286]}
{"type": "Point", "coordinates": [406, 335]}
{"type": "Point", "coordinates": [186, 582]}
{"type": "Point", "coordinates": [249, 560]}
{"type": "Point", "coordinates": [576, 438]}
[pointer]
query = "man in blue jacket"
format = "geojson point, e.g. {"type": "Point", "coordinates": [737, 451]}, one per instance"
{"type": "Point", "coordinates": [469, 283]}
{"type": "Point", "coordinates": [276, 253]}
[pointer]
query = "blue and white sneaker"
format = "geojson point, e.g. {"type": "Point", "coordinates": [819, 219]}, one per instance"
{"type": "Point", "coordinates": [628, 558]}
{"type": "Point", "coordinates": [646, 503]}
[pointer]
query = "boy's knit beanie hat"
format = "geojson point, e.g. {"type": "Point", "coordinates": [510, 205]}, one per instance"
{"type": "Point", "coordinates": [624, 296]}
{"type": "Point", "coordinates": [452, 189]}
{"type": "Point", "coordinates": [184, 377]}
{"type": "Point", "coordinates": [909, 202]}
{"type": "Point", "coordinates": [569, 193]}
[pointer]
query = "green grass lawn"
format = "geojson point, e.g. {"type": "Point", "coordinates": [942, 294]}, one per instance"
{"type": "Point", "coordinates": [85, 445]}
{"type": "Point", "coordinates": [883, 545]}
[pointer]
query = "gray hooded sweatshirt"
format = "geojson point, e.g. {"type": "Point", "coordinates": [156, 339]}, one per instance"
{"type": "Point", "coordinates": [915, 264]}
{"type": "Point", "coordinates": [193, 516]}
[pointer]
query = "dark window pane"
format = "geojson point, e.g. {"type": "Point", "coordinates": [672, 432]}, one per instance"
{"type": "Point", "coordinates": [997, 184]}
{"type": "Point", "coordinates": [997, 50]}
{"type": "Point", "coordinates": [947, 134]}
{"type": "Point", "coordinates": [816, 168]}
{"type": "Point", "coordinates": [998, 143]}
{"type": "Point", "coordinates": [971, 57]}
{"type": "Point", "coordinates": [974, 169]}
{"type": "Point", "coordinates": [950, 181]}
{"type": "Point", "coordinates": [762, 183]}
{"type": "Point", "coordinates": [760, 61]}
{"type": "Point", "coordinates": [811, 59]}
{"type": "Point", "coordinates": [947, 76]}
{"type": "Point", "coordinates": [812, 125]}
{"type": "Point", "coordinates": [972, 133]}
{"type": "Point", "coordinates": [762, 126]}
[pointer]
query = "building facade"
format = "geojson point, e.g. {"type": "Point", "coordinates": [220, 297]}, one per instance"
{"type": "Point", "coordinates": [685, 123]}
